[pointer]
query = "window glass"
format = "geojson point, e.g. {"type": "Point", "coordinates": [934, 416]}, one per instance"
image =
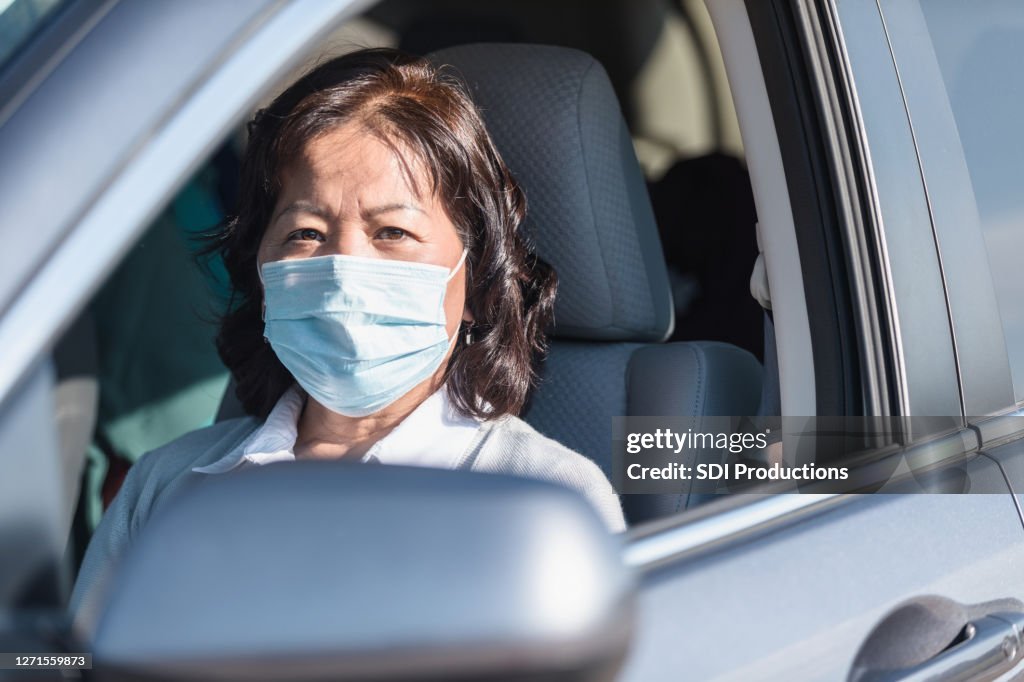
{"type": "Point", "coordinates": [978, 47]}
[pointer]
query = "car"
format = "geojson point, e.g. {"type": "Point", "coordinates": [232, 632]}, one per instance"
{"type": "Point", "coordinates": [861, 159]}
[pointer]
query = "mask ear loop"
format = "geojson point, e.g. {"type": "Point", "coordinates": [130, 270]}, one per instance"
{"type": "Point", "coordinates": [458, 266]}
{"type": "Point", "coordinates": [455, 271]}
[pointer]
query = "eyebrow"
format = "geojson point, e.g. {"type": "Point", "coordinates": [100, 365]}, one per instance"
{"type": "Point", "coordinates": [302, 206]}
{"type": "Point", "coordinates": [387, 208]}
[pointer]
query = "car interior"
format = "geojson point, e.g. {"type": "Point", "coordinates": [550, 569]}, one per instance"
{"type": "Point", "coordinates": [616, 118]}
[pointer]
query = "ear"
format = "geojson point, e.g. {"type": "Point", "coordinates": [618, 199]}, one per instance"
{"type": "Point", "coordinates": [467, 315]}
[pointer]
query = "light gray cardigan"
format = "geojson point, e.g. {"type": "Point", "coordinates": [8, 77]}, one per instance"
{"type": "Point", "coordinates": [505, 446]}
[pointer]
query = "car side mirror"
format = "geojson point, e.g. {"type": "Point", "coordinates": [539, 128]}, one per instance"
{"type": "Point", "coordinates": [322, 570]}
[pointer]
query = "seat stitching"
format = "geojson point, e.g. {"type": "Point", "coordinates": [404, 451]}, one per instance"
{"type": "Point", "coordinates": [698, 354]}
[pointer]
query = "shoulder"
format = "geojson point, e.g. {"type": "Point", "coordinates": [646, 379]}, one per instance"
{"type": "Point", "coordinates": [160, 472]}
{"type": "Point", "coordinates": [151, 476]}
{"type": "Point", "coordinates": [514, 447]}
{"type": "Point", "coordinates": [512, 441]}
{"type": "Point", "coordinates": [196, 448]}
{"type": "Point", "coordinates": [517, 447]}
{"type": "Point", "coordinates": [155, 475]}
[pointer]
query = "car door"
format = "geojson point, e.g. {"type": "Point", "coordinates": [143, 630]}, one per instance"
{"type": "Point", "coordinates": [850, 585]}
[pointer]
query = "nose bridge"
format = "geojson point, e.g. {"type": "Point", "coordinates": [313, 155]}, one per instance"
{"type": "Point", "coordinates": [348, 240]}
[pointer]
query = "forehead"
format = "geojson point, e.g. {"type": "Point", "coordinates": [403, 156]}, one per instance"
{"type": "Point", "coordinates": [353, 157]}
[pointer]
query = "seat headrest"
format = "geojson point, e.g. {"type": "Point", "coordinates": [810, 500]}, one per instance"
{"type": "Point", "coordinates": [556, 121]}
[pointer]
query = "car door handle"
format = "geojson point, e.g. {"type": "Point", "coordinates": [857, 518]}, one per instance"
{"type": "Point", "coordinates": [987, 647]}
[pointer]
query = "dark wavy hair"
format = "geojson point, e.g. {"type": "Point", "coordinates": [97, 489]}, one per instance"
{"type": "Point", "coordinates": [411, 105]}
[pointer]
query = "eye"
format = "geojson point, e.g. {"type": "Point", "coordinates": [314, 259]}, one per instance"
{"type": "Point", "coordinates": [391, 233]}
{"type": "Point", "coordinates": [306, 234]}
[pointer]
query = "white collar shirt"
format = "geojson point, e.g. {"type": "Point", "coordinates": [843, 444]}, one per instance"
{"type": "Point", "coordinates": [432, 435]}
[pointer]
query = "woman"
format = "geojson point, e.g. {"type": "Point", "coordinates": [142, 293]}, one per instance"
{"type": "Point", "coordinates": [385, 307]}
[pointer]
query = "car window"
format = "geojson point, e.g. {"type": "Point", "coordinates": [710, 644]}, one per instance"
{"type": "Point", "coordinates": [155, 318]}
{"type": "Point", "coordinates": [977, 48]}
{"type": "Point", "coordinates": [20, 20]}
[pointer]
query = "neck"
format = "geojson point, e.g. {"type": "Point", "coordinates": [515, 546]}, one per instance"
{"type": "Point", "coordinates": [324, 434]}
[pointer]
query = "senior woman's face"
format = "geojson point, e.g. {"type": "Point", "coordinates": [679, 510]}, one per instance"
{"type": "Point", "coordinates": [347, 194]}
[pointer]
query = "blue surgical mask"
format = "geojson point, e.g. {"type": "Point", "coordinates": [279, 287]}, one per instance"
{"type": "Point", "coordinates": [357, 333]}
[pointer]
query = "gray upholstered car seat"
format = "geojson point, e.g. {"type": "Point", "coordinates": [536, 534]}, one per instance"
{"type": "Point", "coordinates": [555, 118]}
